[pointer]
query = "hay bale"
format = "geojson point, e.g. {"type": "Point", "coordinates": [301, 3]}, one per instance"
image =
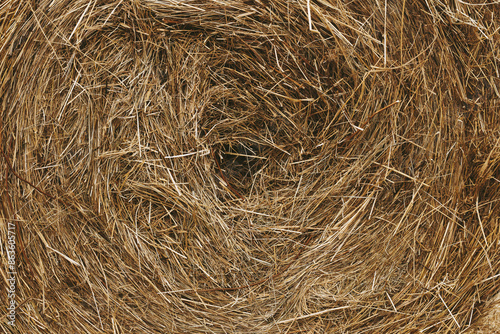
{"type": "Point", "coordinates": [250, 166]}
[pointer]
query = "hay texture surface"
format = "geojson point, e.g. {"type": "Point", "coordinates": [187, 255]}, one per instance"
{"type": "Point", "coordinates": [250, 166]}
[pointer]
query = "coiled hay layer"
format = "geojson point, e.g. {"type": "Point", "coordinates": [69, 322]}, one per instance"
{"type": "Point", "coordinates": [252, 166]}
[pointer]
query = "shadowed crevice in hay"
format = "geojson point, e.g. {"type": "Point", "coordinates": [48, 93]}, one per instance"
{"type": "Point", "coordinates": [250, 166]}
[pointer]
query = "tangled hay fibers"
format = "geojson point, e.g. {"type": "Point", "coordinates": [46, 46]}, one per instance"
{"type": "Point", "coordinates": [253, 166]}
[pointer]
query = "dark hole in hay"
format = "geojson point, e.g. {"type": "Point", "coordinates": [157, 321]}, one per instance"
{"type": "Point", "coordinates": [240, 161]}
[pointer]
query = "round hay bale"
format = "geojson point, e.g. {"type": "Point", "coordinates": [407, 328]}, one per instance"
{"type": "Point", "coordinates": [252, 166]}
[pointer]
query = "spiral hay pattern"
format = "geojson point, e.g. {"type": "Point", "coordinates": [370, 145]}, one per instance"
{"type": "Point", "coordinates": [256, 166]}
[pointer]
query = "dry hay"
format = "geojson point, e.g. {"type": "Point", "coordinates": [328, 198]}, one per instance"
{"type": "Point", "coordinates": [250, 166]}
{"type": "Point", "coordinates": [490, 323]}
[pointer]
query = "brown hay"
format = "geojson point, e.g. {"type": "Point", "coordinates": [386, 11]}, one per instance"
{"type": "Point", "coordinates": [250, 166]}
